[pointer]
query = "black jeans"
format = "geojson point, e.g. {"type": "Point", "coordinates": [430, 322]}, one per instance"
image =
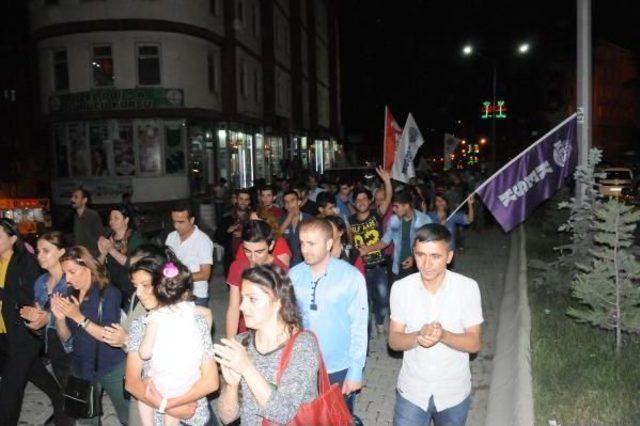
{"type": "Point", "coordinates": [22, 365]}
{"type": "Point", "coordinates": [60, 359]}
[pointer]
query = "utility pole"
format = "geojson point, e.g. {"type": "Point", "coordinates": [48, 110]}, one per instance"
{"type": "Point", "coordinates": [584, 88]}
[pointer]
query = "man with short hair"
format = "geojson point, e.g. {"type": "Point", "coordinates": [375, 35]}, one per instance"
{"type": "Point", "coordinates": [401, 231]}
{"type": "Point", "coordinates": [366, 231]}
{"type": "Point", "coordinates": [332, 298]}
{"type": "Point", "coordinates": [290, 225]}
{"type": "Point", "coordinates": [344, 198]}
{"type": "Point", "coordinates": [194, 249]}
{"type": "Point", "coordinates": [326, 204]}
{"type": "Point", "coordinates": [229, 232]}
{"type": "Point", "coordinates": [306, 205]}
{"type": "Point", "coordinates": [87, 224]}
{"type": "Point", "coordinates": [436, 320]}
{"type": "Point", "coordinates": [313, 185]}
{"type": "Point", "coordinates": [267, 199]}
{"type": "Point", "coordinates": [257, 243]}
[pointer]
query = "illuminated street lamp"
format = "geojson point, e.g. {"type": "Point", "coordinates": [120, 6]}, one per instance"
{"type": "Point", "coordinates": [467, 50]}
{"type": "Point", "coordinates": [523, 48]}
{"type": "Point", "coordinates": [483, 141]}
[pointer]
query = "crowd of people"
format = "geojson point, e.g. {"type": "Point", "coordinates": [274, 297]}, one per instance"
{"type": "Point", "coordinates": [313, 271]}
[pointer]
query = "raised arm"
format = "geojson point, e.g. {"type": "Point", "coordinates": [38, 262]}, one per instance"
{"type": "Point", "coordinates": [388, 190]}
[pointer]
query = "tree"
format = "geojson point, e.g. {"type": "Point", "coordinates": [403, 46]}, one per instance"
{"type": "Point", "coordinates": [608, 287]}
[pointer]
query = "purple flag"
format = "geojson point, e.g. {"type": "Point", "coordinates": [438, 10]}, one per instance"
{"type": "Point", "coordinates": [533, 176]}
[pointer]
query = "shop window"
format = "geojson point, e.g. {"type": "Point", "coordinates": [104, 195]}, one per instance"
{"type": "Point", "coordinates": [149, 148]}
{"type": "Point", "coordinates": [102, 65]}
{"type": "Point", "coordinates": [174, 149]}
{"type": "Point", "coordinates": [148, 65]}
{"type": "Point", "coordinates": [99, 145]}
{"type": "Point", "coordinates": [78, 149]}
{"type": "Point", "coordinates": [123, 153]}
{"type": "Point", "coordinates": [60, 71]}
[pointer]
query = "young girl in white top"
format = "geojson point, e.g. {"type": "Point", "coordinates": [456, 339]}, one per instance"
{"type": "Point", "coordinates": [172, 342]}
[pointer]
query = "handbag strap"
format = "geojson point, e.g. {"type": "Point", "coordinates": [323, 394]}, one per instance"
{"type": "Point", "coordinates": [95, 361]}
{"type": "Point", "coordinates": [323, 378]}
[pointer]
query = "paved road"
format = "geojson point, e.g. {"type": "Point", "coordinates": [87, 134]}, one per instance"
{"type": "Point", "coordinates": [483, 259]}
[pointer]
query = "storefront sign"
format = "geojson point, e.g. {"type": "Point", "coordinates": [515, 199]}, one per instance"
{"type": "Point", "coordinates": [117, 99]}
{"type": "Point", "coordinates": [103, 191]}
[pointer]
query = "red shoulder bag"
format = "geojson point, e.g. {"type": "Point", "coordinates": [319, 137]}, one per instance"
{"type": "Point", "coordinates": [328, 408]}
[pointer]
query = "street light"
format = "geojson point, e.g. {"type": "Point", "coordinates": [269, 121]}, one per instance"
{"type": "Point", "coordinates": [523, 48]}
{"type": "Point", "coordinates": [467, 50]}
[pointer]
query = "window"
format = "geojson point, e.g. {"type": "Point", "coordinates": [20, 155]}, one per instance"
{"type": "Point", "coordinates": [212, 73]}
{"type": "Point", "coordinates": [174, 149]}
{"type": "Point", "coordinates": [243, 79]}
{"type": "Point", "coordinates": [255, 23]}
{"type": "Point", "coordinates": [60, 71]}
{"type": "Point", "coordinates": [213, 7]}
{"type": "Point", "coordinates": [102, 65]}
{"type": "Point", "coordinates": [148, 65]}
{"type": "Point", "coordinates": [256, 86]}
{"type": "Point", "coordinates": [240, 12]}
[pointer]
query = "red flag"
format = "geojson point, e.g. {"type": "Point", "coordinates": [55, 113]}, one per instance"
{"type": "Point", "coordinates": [392, 133]}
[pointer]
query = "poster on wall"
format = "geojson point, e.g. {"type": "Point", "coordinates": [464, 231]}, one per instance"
{"type": "Point", "coordinates": [124, 157]}
{"type": "Point", "coordinates": [61, 151]}
{"type": "Point", "coordinates": [98, 136]}
{"type": "Point", "coordinates": [79, 150]}
{"type": "Point", "coordinates": [149, 149]}
{"type": "Point", "coordinates": [174, 149]}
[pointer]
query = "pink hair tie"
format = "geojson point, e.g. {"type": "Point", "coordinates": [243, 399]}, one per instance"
{"type": "Point", "coordinates": [170, 270]}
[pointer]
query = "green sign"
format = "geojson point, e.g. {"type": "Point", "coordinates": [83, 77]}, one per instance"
{"type": "Point", "coordinates": [499, 110]}
{"type": "Point", "coordinates": [117, 100]}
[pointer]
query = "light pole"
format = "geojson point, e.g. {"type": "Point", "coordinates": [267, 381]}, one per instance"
{"type": "Point", "coordinates": [468, 50]}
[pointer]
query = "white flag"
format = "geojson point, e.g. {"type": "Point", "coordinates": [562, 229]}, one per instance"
{"type": "Point", "coordinates": [450, 145]}
{"type": "Point", "coordinates": [406, 150]}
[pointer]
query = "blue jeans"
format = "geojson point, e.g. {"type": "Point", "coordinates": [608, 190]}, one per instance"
{"type": "Point", "coordinates": [407, 414]}
{"type": "Point", "coordinates": [378, 291]}
{"type": "Point", "coordinates": [201, 301]}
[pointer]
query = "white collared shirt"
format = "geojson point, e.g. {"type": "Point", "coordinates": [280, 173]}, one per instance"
{"type": "Point", "coordinates": [438, 371]}
{"type": "Point", "coordinates": [196, 250]}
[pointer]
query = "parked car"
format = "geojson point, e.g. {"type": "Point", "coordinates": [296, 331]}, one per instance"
{"type": "Point", "coordinates": [615, 180]}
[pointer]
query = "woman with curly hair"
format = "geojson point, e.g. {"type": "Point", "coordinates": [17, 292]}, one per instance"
{"type": "Point", "coordinates": [250, 362]}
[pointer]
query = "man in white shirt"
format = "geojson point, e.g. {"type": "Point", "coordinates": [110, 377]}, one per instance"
{"type": "Point", "coordinates": [194, 249]}
{"type": "Point", "coordinates": [436, 319]}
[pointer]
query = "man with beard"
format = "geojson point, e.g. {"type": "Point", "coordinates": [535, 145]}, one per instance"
{"type": "Point", "coordinates": [87, 224]}
{"type": "Point", "coordinates": [229, 233]}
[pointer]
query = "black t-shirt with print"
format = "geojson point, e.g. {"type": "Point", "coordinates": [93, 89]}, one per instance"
{"type": "Point", "coordinates": [368, 233]}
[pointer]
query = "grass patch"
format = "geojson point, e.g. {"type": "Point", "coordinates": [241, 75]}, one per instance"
{"type": "Point", "coordinates": [577, 378]}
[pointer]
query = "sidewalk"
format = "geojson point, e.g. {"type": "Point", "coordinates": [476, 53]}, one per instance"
{"type": "Point", "coordinates": [484, 259]}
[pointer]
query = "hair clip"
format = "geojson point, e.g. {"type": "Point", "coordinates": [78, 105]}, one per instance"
{"type": "Point", "coordinates": [170, 270]}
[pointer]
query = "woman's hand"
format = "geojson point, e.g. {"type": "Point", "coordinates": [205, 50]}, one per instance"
{"type": "Point", "coordinates": [230, 377]}
{"type": "Point", "coordinates": [35, 316]}
{"type": "Point", "coordinates": [104, 244]}
{"type": "Point", "coordinates": [56, 307]}
{"type": "Point", "coordinates": [67, 307]}
{"type": "Point", "coordinates": [231, 354]}
{"type": "Point", "coordinates": [115, 335]}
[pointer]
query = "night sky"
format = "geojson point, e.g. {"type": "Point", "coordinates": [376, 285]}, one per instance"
{"type": "Point", "coordinates": [407, 54]}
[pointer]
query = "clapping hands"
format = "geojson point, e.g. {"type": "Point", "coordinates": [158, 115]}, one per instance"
{"type": "Point", "coordinates": [430, 334]}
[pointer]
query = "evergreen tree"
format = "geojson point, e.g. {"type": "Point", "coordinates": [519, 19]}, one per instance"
{"type": "Point", "coordinates": [609, 287]}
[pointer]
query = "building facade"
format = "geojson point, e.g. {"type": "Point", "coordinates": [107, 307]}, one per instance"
{"type": "Point", "coordinates": [163, 97]}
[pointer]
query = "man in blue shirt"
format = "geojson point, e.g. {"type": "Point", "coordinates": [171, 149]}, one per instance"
{"type": "Point", "coordinates": [332, 297]}
{"type": "Point", "coordinates": [401, 231]}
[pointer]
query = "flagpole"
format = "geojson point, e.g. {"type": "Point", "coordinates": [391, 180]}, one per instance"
{"type": "Point", "coordinates": [529, 148]}
{"type": "Point", "coordinates": [384, 139]}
